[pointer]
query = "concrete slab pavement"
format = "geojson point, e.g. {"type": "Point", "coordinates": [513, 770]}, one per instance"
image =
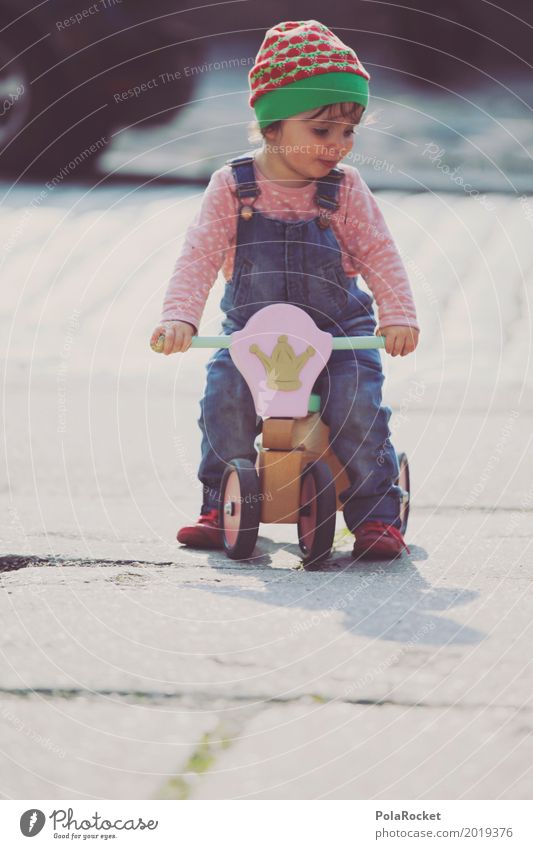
{"type": "Point", "coordinates": [339, 751]}
{"type": "Point", "coordinates": [101, 747]}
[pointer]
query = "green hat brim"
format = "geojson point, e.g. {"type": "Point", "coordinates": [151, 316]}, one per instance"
{"type": "Point", "coordinates": [310, 93]}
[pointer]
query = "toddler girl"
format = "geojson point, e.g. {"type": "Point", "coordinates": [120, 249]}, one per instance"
{"type": "Point", "coordinates": [287, 224]}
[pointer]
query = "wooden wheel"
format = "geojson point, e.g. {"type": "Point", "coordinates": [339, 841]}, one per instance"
{"type": "Point", "coordinates": [404, 481]}
{"type": "Point", "coordinates": [240, 510]}
{"type": "Point", "coordinates": [318, 510]}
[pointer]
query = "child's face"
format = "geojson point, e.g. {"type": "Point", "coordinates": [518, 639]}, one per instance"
{"type": "Point", "coordinates": [313, 146]}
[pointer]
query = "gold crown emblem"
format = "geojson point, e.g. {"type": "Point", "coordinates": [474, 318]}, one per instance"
{"type": "Point", "coordinates": [283, 367]}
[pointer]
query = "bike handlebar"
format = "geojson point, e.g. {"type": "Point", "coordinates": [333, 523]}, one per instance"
{"type": "Point", "coordinates": [340, 343]}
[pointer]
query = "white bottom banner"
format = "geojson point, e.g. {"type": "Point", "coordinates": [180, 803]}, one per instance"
{"type": "Point", "coordinates": [263, 824]}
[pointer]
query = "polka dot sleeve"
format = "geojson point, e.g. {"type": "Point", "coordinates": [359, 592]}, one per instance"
{"type": "Point", "coordinates": [207, 241]}
{"type": "Point", "coordinates": [364, 234]}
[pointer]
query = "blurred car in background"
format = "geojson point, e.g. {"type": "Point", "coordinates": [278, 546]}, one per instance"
{"type": "Point", "coordinates": [72, 72]}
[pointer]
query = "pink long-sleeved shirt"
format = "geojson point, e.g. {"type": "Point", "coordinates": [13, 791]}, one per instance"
{"type": "Point", "coordinates": [363, 236]}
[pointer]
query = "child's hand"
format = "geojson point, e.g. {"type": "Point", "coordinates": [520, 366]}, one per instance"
{"type": "Point", "coordinates": [399, 340]}
{"type": "Point", "coordinates": [178, 336]}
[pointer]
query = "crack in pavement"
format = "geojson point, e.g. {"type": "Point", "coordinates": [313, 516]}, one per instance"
{"type": "Point", "coordinates": [12, 562]}
{"type": "Point", "coordinates": [250, 698]}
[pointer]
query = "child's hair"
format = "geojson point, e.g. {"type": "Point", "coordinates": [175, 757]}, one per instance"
{"type": "Point", "coordinates": [352, 112]}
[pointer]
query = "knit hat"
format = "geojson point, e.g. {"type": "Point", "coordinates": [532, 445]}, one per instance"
{"type": "Point", "coordinates": [302, 65]}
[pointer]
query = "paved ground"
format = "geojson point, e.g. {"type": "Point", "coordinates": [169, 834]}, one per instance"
{"type": "Point", "coordinates": [132, 668]}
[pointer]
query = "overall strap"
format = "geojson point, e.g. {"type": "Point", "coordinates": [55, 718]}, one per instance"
{"type": "Point", "coordinates": [246, 187]}
{"type": "Point", "coordinates": [327, 190]}
{"type": "Point", "coordinates": [243, 171]}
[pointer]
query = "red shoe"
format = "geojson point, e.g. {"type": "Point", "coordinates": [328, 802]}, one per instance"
{"type": "Point", "coordinates": [378, 541]}
{"type": "Point", "coordinates": [206, 533]}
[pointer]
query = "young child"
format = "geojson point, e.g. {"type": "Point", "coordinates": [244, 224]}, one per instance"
{"type": "Point", "coordinates": [285, 223]}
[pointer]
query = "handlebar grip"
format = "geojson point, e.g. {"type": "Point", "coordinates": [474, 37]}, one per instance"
{"type": "Point", "coordinates": [196, 342]}
{"type": "Point", "coordinates": [157, 346]}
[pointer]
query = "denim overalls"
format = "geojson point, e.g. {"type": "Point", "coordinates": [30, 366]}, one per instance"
{"type": "Point", "coordinates": [301, 263]}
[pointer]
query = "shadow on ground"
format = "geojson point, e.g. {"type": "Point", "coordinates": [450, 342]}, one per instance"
{"type": "Point", "coordinates": [380, 600]}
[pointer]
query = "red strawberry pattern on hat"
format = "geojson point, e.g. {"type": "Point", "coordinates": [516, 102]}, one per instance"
{"type": "Point", "coordinates": [293, 50]}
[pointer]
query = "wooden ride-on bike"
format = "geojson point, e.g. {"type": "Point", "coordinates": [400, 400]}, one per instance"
{"type": "Point", "coordinates": [297, 478]}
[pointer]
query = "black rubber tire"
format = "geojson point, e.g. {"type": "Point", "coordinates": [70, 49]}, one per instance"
{"type": "Point", "coordinates": [326, 512]}
{"type": "Point", "coordinates": [249, 506]}
{"type": "Point", "coordinates": [54, 133]}
{"type": "Point", "coordinates": [404, 480]}
{"type": "Point", "coordinates": [69, 108]}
